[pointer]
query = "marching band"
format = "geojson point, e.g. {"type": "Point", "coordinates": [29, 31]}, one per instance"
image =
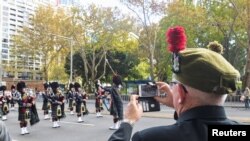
{"type": "Point", "coordinates": [52, 105]}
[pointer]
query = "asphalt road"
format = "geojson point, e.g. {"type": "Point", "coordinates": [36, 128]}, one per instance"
{"type": "Point", "coordinates": [96, 129]}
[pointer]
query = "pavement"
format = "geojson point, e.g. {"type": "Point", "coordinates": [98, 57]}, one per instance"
{"type": "Point", "coordinates": [234, 110]}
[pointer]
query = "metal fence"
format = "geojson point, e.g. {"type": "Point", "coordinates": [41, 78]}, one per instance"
{"type": "Point", "coordinates": [232, 100]}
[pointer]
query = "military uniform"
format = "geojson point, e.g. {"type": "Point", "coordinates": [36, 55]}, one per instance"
{"type": "Point", "coordinates": [80, 98]}
{"type": "Point", "coordinates": [46, 104]}
{"type": "Point", "coordinates": [4, 107]}
{"type": "Point", "coordinates": [190, 126]}
{"type": "Point", "coordinates": [71, 98]}
{"type": "Point", "coordinates": [99, 94]}
{"type": "Point", "coordinates": [27, 108]}
{"type": "Point", "coordinates": [57, 105]}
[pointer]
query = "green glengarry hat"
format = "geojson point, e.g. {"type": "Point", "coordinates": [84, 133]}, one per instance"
{"type": "Point", "coordinates": [207, 71]}
{"type": "Point", "coordinates": [202, 68]}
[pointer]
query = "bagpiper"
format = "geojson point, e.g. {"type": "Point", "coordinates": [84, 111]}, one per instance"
{"type": "Point", "coordinates": [13, 97]}
{"type": "Point", "coordinates": [81, 97]}
{"type": "Point", "coordinates": [57, 104]}
{"type": "Point", "coordinates": [27, 108]}
{"type": "Point", "coordinates": [99, 94]}
{"type": "Point", "coordinates": [4, 108]}
{"type": "Point", "coordinates": [46, 104]}
{"type": "Point", "coordinates": [71, 98]}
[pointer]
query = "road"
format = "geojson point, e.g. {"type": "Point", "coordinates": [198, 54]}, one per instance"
{"type": "Point", "coordinates": [96, 129]}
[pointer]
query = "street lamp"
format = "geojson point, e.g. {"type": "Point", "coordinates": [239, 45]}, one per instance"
{"type": "Point", "coordinates": [71, 53]}
{"type": "Point", "coordinates": [1, 68]}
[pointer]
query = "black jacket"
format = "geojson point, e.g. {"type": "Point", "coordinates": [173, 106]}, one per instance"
{"type": "Point", "coordinates": [190, 126]}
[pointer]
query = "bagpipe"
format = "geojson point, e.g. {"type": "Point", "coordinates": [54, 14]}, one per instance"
{"type": "Point", "coordinates": [5, 107]}
{"type": "Point", "coordinates": [83, 108]}
{"type": "Point", "coordinates": [59, 111]}
{"type": "Point", "coordinates": [27, 113]}
{"type": "Point", "coordinates": [49, 105]}
{"type": "Point", "coordinates": [34, 118]}
{"type": "Point", "coordinates": [31, 112]}
{"type": "Point", "coordinates": [73, 102]}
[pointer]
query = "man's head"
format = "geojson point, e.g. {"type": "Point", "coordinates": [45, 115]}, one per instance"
{"type": "Point", "coordinates": [117, 80]}
{"type": "Point", "coordinates": [204, 76]}
{"type": "Point", "coordinates": [54, 87]}
{"type": "Point", "coordinates": [200, 68]}
{"type": "Point", "coordinates": [20, 86]}
{"type": "Point", "coordinates": [207, 71]}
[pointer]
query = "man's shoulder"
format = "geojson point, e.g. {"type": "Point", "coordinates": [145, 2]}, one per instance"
{"type": "Point", "coordinates": [158, 133]}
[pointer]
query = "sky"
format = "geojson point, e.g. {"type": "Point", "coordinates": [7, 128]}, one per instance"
{"type": "Point", "coordinates": [105, 3]}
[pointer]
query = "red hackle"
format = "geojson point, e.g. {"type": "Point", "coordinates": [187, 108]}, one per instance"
{"type": "Point", "coordinates": [176, 39]}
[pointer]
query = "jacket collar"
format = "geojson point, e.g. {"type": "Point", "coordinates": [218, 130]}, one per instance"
{"type": "Point", "coordinates": [203, 112]}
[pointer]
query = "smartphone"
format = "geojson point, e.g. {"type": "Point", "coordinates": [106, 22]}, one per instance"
{"type": "Point", "coordinates": [149, 104]}
{"type": "Point", "coordinates": [146, 93]}
{"type": "Point", "coordinates": [148, 90]}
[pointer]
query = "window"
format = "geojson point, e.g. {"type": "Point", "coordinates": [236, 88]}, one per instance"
{"type": "Point", "coordinates": [4, 56]}
{"type": "Point", "coordinates": [5, 29]}
{"type": "Point", "coordinates": [5, 45]}
{"type": "Point", "coordinates": [5, 8]}
{"type": "Point", "coordinates": [5, 51]}
{"type": "Point", "coordinates": [5, 24]}
{"type": "Point", "coordinates": [5, 35]}
{"type": "Point", "coordinates": [12, 9]}
{"type": "Point", "coordinates": [5, 40]}
{"type": "Point", "coordinates": [5, 13]}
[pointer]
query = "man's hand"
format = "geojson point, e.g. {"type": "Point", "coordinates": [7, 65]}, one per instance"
{"type": "Point", "coordinates": [134, 110]}
{"type": "Point", "coordinates": [168, 99]}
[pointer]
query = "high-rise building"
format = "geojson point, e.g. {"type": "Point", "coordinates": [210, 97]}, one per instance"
{"type": "Point", "coordinates": [13, 15]}
{"type": "Point", "coordinates": [68, 2]}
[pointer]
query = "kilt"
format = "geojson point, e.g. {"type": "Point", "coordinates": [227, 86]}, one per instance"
{"type": "Point", "coordinates": [78, 107]}
{"type": "Point", "coordinates": [54, 111]}
{"type": "Point", "coordinates": [70, 103]}
{"type": "Point", "coordinates": [45, 106]}
{"type": "Point", "coordinates": [22, 113]}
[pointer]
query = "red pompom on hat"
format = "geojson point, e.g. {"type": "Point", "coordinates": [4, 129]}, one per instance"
{"type": "Point", "coordinates": [176, 39]}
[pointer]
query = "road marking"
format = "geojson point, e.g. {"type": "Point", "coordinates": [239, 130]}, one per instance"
{"type": "Point", "coordinates": [85, 124]}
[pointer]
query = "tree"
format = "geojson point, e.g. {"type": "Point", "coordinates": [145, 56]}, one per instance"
{"type": "Point", "coordinates": [39, 40]}
{"type": "Point", "coordinates": [96, 31]}
{"type": "Point", "coordinates": [208, 21]}
{"type": "Point", "coordinates": [146, 11]}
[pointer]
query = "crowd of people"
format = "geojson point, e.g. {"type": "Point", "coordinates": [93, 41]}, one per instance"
{"type": "Point", "coordinates": [202, 78]}
{"type": "Point", "coordinates": [54, 102]}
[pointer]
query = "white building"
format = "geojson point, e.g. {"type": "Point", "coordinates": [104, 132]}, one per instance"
{"type": "Point", "coordinates": [13, 15]}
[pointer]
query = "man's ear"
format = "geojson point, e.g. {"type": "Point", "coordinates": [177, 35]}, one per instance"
{"type": "Point", "coordinates": [182, 94]}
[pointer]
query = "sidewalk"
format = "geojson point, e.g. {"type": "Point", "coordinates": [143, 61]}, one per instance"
{"type": "Point", "coordinates": [234, 111]}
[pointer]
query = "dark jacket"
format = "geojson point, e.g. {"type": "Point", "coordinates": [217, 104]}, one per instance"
{"type": "Point", "coordinates": [116, 107]}
{"type": "Point", "coordinates": [190, 126]}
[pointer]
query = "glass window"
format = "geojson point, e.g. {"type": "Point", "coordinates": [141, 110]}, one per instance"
{"type": "Point", "coordinates": [5, 40]}
{"type": "Point", "coordinates": [5, 29]}
{"type": "Point", "coordinates": [4, 56]}
{"type": "Point", "coordinates": [5, 51]}
{"type": "Point", "coordinates": [5, 24]}
{"type": "Point", "coordinates": [5, 13]}
{"type": "Point", "coordinates": [5, 45]}
{"type": "Point", "coordinates": [5, 8]}
{"type": "Point", "coordinates": [5, 19]}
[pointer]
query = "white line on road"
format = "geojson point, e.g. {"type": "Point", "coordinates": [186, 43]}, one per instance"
{"type": "Point", "coordinates": [77, 123]}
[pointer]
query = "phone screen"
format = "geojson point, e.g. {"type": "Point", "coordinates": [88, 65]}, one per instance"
{"type": "Point", "coordinates": [146, 90]}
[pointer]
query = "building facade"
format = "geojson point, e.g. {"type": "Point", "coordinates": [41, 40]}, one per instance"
{"type": "Point", "coordinates": [14, 14]}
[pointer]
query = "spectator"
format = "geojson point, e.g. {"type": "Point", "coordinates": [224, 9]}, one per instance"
{"type": "Point", "coordinates": [202, 80]}
{"type": "Point", "coordinates": [246, 97]}
{"type": "Point", "coordinates": [4, 133]}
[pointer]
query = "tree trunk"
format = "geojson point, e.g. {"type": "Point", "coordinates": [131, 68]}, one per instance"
{"type": "Point", "coordinates": [151, 61]}
{"type": "Point", "coordinates": [246, 81]}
